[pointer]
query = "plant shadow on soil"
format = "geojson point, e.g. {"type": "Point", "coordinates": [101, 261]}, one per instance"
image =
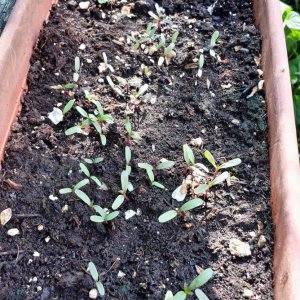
{"type": "Point", "coordinates": [155, 257]}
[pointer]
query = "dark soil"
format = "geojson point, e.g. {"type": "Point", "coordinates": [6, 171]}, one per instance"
{"type": "Point", "coordinates": [155, 257]}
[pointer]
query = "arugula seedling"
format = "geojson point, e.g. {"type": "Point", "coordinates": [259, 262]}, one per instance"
{"type": "Point", "coordinates": [78, 192]}
{"type": "Point", "coordinates": [105, 66]}
{"type": "Point", "coordinates": [160, 16]}
{"type": "Point", "coordinates": [94, 160]}
{"type": "Point", "coordinates": [104, 216]}
{"type": "Point", "coordinates": [125, 186]}
{"type": "Point", "coordinates": [212, 45]}
{"type": "Point", "coordinates": [87, 173]}
{"type": "Point", "coordinates": [114, 87]}
{"type": "Point", "coordinates": [94, 274]}
{"type": "Point", "coordinates": [131, 134]}
{"type": "Point", "coordinates": [168, 52]}
{"type": "Point", "coordinates": [193, 287]}
{"type": "Point", "coordinates": [171, 214]}
{"type": "Point", "coordinates": [149, 169]}
{"type": "Point", "coordinates": [200, 65]}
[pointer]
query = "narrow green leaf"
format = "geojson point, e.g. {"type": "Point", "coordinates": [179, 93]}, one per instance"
{"type": "Point", "coordinates": [98, 160]}
{"type": "Point", "coordinates": [200, 295]}
{"type": "Point", "coordinates": [72, 130]}
{"type": "Point", "coordinates": [169, 296]}
{"type": "Point", "coordinates": [167, 216]}
{"type": "Point", "coordinates": [127, 155]}
{"type": "Point", "coordinates": [136, 46]}
{"type": "Point", "coordinates": [165, 165]}
{"type": "Point", "coordinates": [77, 64]}
{"type": "Point", "coordinates": [219, 179]}
{"type": "Point", "coordinates": [101, 211]}
{"type": "Point", "coordinates": [180, 296]}
{"type": "Point", "coordinates": [84, 197]}
{"type": "Point", "coordinates": [81, 184]}
{"type": "Point", "coordinates": [118, 202]}
{"type": "Point", "coordinates": [100, 288]}
{"type": "Point", "coordinates": [96, 180]}
{"type": "Point", "coordinates": [124, 181]}
{"type": "Point", "coordinates": [231, 163]}
{"type": "Point", "coordinates": [201, 279]}
{"type": "Point", "coordinates": [159, 185]}
{"type": "Point", "coordinates": [82, 111]}
{"type": "Point", "coordinates": [201, 61]}
{"type": "Point", "coordinates": [93, 271]}
{"type": "Point", "coordinates": [201, 189]}
{"type": "Point", "coordinates": [210, 158]}
{"type": "Point", "coordinates": [110, 82]}
{"type": "Point", "coordinates": [142, 89]}
{"type": "Point", "coordinates": [97, 127]}
{"type": "Point", "coordinates": [65, 191]}
{"type": "Point", "coordinates": [88, 161]}
{"type": "Point", "coordinates": [212, 53]}
{"type": "Point", "coordinates": [214, 38]}
{"type": "Point", "coordinates": [68, 106]}
{"type": "Point", "coordinates": [97, 219]}
{"type": "Point", "coordinates": [174, 37]}
{"type": "Point", "coordinates": [112, 215]}
{"type": "Point", "coordinates": [99, 106]}
{"type": "Point", "coordinates": [84, 169]}
{"type": "Point", "coordinates": [128, 125]}
{"type": "Point", "coordinates": [188, 155]}
{"type": "Point", "coordinates": [191, 204]}
{"type": "Point", "coordinates": [103, 139]}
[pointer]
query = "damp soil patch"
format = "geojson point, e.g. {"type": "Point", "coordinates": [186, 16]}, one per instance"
{"type": "Point", "coordinates": [139, 258]}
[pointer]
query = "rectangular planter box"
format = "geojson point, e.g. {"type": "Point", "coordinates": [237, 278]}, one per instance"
{"type": "Point", "coordinates": [16, 46]}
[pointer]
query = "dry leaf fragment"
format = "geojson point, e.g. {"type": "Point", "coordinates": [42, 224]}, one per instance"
{"type": "Point", "coordinates": [226, 86]}
{"type": "Point", "coordinates": [257, 60]}
{"type": "Point", "coordinates": [5, 216]}
{"type": "Point", "coordinates": [13, 185]}
{"type": "Point", "coordinates": [237, 48]}
{"type": "Point", "coordinates": [126, 10]}
{"type": "Point", "coordinates": [191, 66]}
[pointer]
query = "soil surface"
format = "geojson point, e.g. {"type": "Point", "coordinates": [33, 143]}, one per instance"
{"type": "Point", "coordinates": [50, 261]}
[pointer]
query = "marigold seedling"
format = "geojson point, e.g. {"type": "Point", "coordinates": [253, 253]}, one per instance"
{"type": "Point", "coordinates": [188, 155]}
{"type": "Point", "coordinates": [160, 16]}
{"type": "Point", "coordinates": [168, 51]}
{"type": "Point", "coordinates": [200, 65]}
{"type": "Point", "coordinates": [105, 66]}
{"type": "Point", "coordinates": [213, 41]}
{"type": "Point", "coordinates": [104, 215]}
{"type": "Point", "coordinates": [94, 274]}
{"type": "Point", "coordinates": [166, 164]}
{"type": "Point", "coordinates": [87, 173]}
{"type": "Point", "coordinates": [131, 134]}
{"type": "Point", "coordinates": [193, 287]}
{"type": "Point", "coordinates": [114, 87]}
{"type": "Point", "coordinates": [171, 214]}
{"type": "Point", "coordinates": [94, 160]}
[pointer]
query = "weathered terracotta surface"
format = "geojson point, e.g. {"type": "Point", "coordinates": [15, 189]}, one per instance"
{"type": "Point", "coordinates": [284, 160]}
{"type": "Point", "coordinates": [16, 45]}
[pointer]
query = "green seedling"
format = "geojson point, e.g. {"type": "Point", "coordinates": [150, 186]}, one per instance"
{"type": "Point", "coordinates": [171, 214]}
{"type": "Point", "coordinates": [103, 1]}
{"type": "Point", "coordinates": [160, 16]}
{"type": "Point", "coordinates": [168, 52]}
{"type": "Point", "coordinates": [87, 173]}
{"type": "Point", "coordinates": [105, 66]}
{"type": "Point", "coordinates": [148, 38]}
{"type": "Point", "coordinates": [128, 159]}
{"type": "Point", "coordinates": [132, 135]}
{"type": "Point", "coordinates": [76, 77]}
{"type": "Point", "coordinates": [114, 87]}
{"type": "Point", "coordinates": [96, 120]}
{"type": "Point", "coordinates": [189, 159]}
{"type": "Point", "coordinates": [193, 287]}
{"type": "Point", "coordinates": [94, 160]}
{"type": "Point", "coordinates": [57, 116]}
{"type": "Point", "coordinates": [134, 82]}
{"type": "Point", "coordinates": [149, 169]}
{"type": "Point", "coordinates": [213, 42]}
{"type": "Point", "coordinates": [126, 186]}
{"type": "Point", "coordinates": [200, 65]}
{"type": "Point", "coordinates": [104, 215]}
{"type": "Point", "coordinates": [78, 192]}
{"type": "Point", "coordinates": [94, 274]}
{"type": "Point", "coordinates": [229, 164]}
{"type": "Point", "coordinates": [137, 97]}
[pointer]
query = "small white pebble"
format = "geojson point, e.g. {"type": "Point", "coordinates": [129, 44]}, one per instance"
{"type": "Point", "coordinates": [53, 198]}
{"type": "Point", "coordinates": [247, 293]}
{"type": "Point", "coordinates": [39, 288]}
{"type": "Point", "coordinates": [36, 254]}
{"type": "Point", "coordinates": [121, 274]}
{"type": "Point", "coordinates": [40, 227]}
{"type": "Point", "coordinates": [47, 239]}
{"type": "Point", "coordinates": [82, 47]}
{"type": "Point", "coordinates": [13, 232]}
{"type": "Point", "coordinates": [93, 294]}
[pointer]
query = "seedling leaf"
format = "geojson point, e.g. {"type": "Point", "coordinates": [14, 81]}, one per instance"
{"type": "Point", "coordinates": [100, 288]}
{"type": "Point", "coordinates": [210, 158]}
{"type": "Point", "coordinates": [118, 202]}
{"type": "Point", "coordinates": [84, 169]}
{"type": "Point", "coordinates": [167, 216]}
{"type": "Point", "coordinates": [96, 180]}
{"type": "Point", "coordinates": [231, 163]}
{"type": "Point", "coordinates": [72, 130]}
{"type": "Point", "coordinates": [157, 184]}
{"type": "Point", "coordinates": [82, 111]}
{"type": "Point", "coordinates": [83, 196]}
{"type": "Point", "coordinates": [97, 219]}
{"type": "Point", "coordinates": [93, 271]}
{"type": "Point", "coordinates": [191, 204]}
{"type": "Point", "coordinates": [169, 296]}
{"type": "Point", "coordinates": [200, 295]}
{"type": "Point", "coordinates": [77, 64]}
{"type": "Point", "coordinates": [65, 191]}
{"type": "Point", "coordinates": [81, 184]}
{"type": "Point", "coordinates": [112, 215]}
{"type": "Point", "coordinates": [201, 189]}
{"type": "Point", "coordinates": [219, 179]}
{"type": "Point", "coordinates": [101, 211]}
{"type": "Point", "coordinates": [188, 155]}
{"type": "Point", "coordinates": [127, 155]}
{"type": "Point", "coordinates": [214, 38]}
{"type": "Point", "coordinates": [165, 165]}
{"type": "Point", "coordinates": [124, 181]}
{"type": "Point", "coordinates": [201, 279]}
{"type": "Point", "coordinates": [68, 106]}
{"type": "Point", "coordinates": [180, 296]}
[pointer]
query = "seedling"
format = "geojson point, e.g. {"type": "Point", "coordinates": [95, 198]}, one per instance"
{"type": "Point", "coordinates": [137, 97]}
{"type": "Point", "coordinates": [160, 16]}
{"type": "Point", "coordinates": [229, 164]}
{"type": "Point", "coordinates": [171, 214]}
{"type": "Point", "coordinates": [131, 134]}
{"type": "Point", "coordinates": [168, 52]}
{"type": "Point", "coordinates": [87, 173]}
{"type": "Point", "coordinates": [148, 37]}
{"type": "Point", "coordinates": [200, 65]}
{"type": "Point", "coordinates": [94, 274]}
{"type": "Point", "coordinates": [78, 192]}
{"type": "Point", "coordinates": [128, 159]}
{"type": "Point", "coordinates": [114, 87]}
{"type": "Point", "coordinates": [212, 45]}
{"type": "Point", "coordinates": [166, 164]}
{"type": "Point", "coordinates": [127, 84]}
{"type": "Point", "coordinates": [57, 116]}
{"type": "Point", "coordinates": [97, 121]}
{"type": "Point", "coordinates": [105, 66]}
{"type": "Point", "coordinates": [126, 186]}
{"type": "Point", "coordinates": [104, 215]}
{"type": "Point", "coordinates": [94, 160]}
{"type": "Point", "coordinates": [194, 287]}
